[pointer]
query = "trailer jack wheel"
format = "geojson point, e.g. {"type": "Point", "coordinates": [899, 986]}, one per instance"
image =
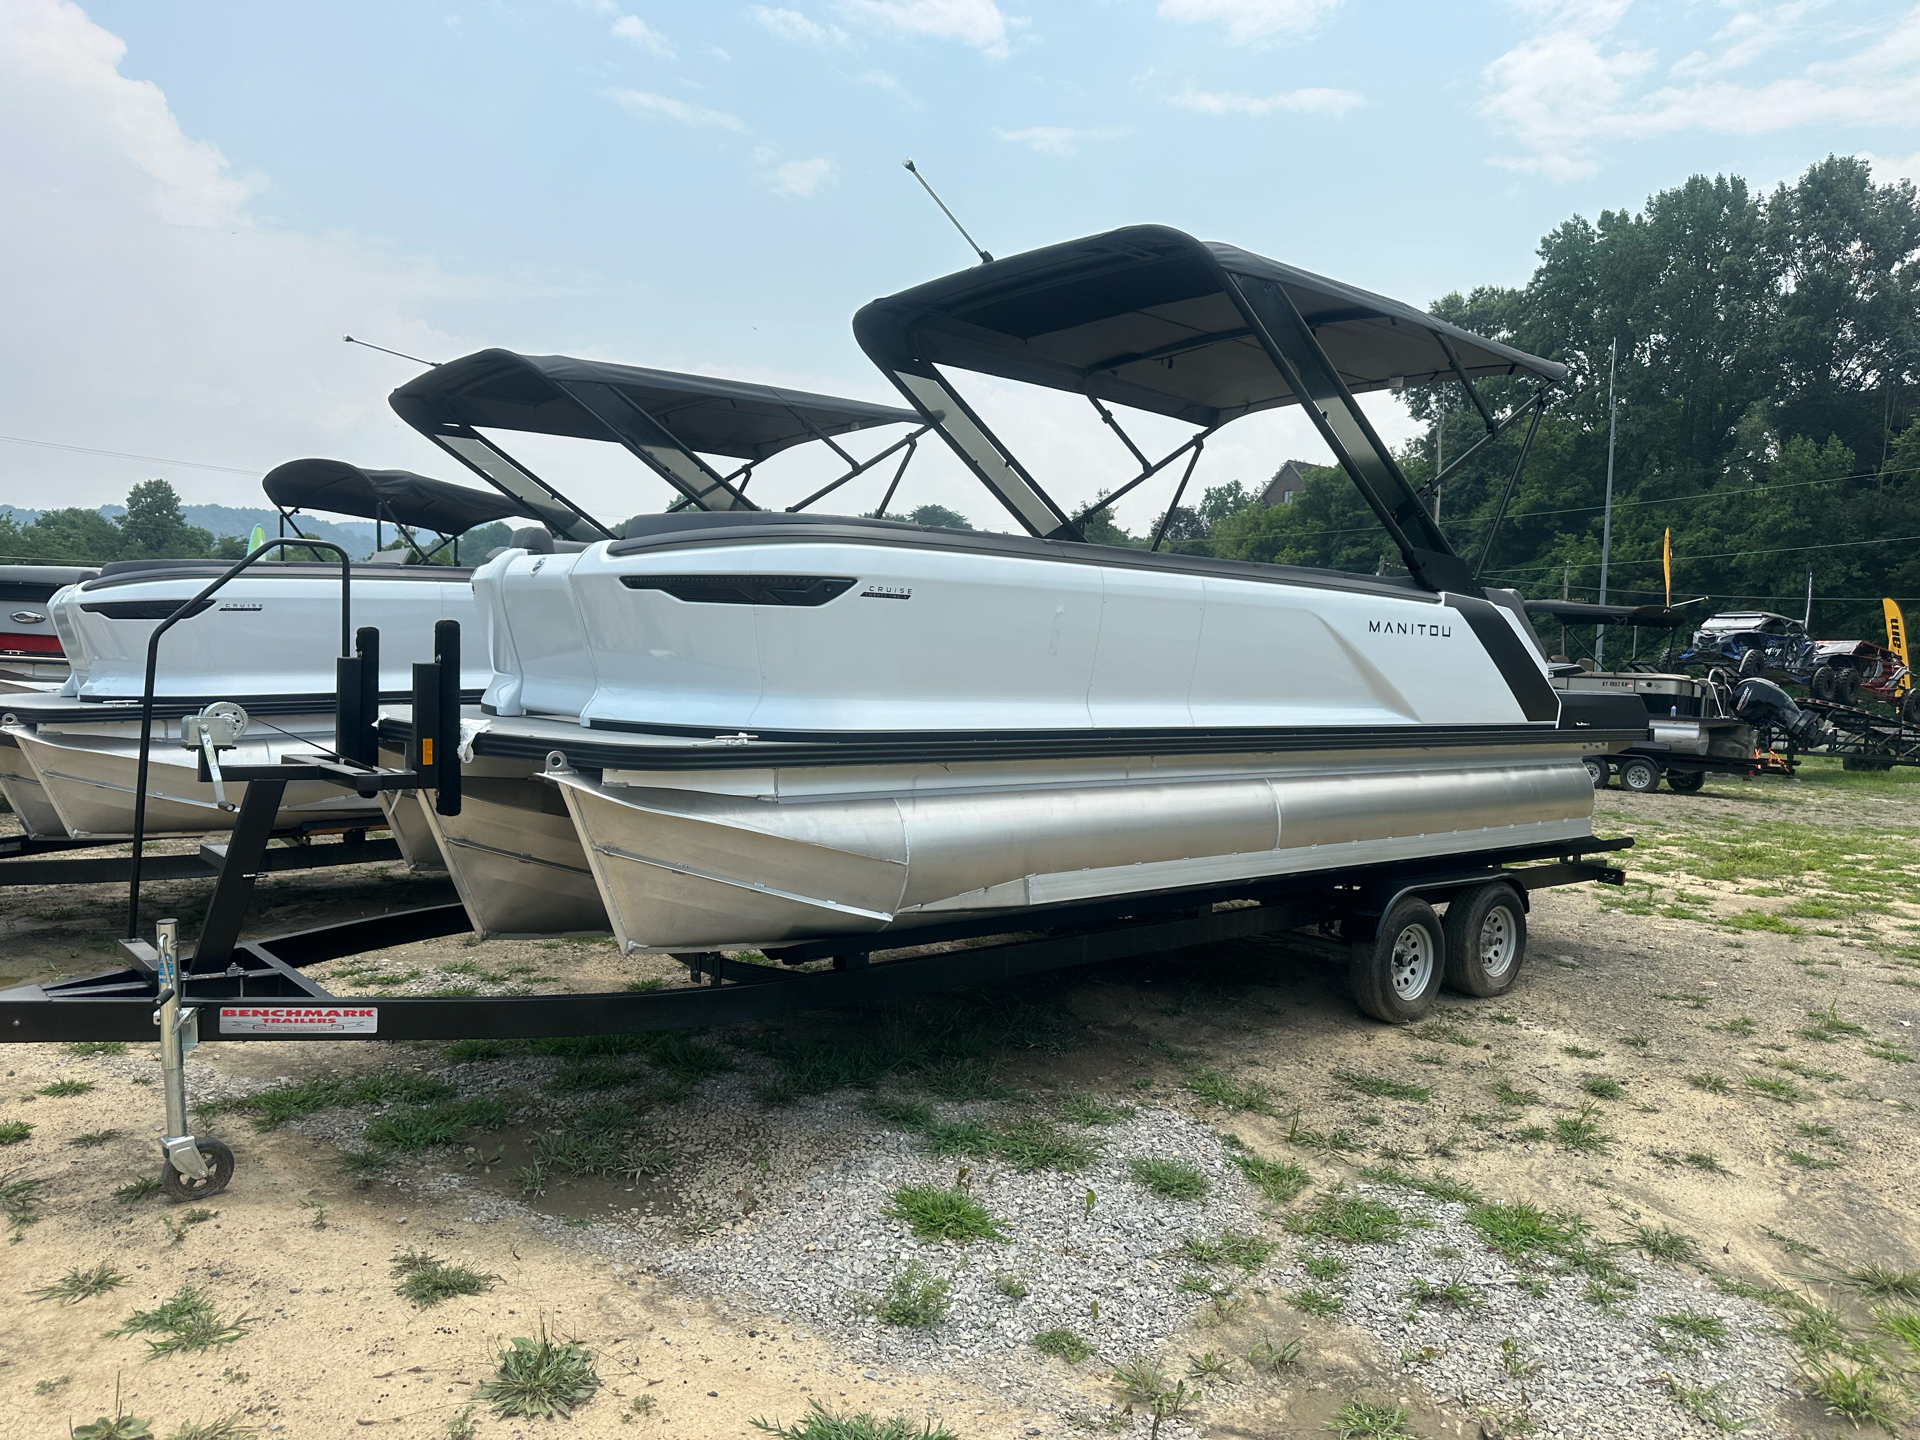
{"type": "Point", "coordinates": [215, 1158]}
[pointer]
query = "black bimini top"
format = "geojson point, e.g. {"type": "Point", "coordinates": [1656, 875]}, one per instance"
{"type": "Point", "coordinates": [1579, 612]}
{"type": "Point", "coordinates": [544, 394]}
{"type": "Point", "coordinates": [1151, 318]}
{"type": "Point", "coordinates": [396, 496]}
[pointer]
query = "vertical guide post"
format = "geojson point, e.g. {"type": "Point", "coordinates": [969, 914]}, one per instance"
{"type": "Point", "coordinates": [1606, 525]}
{"type": "Point", "coordinates": [446, 773]}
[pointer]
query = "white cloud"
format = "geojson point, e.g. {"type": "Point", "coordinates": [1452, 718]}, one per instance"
{"type": "Point", "coordinates": [1310, 101]}
{"type": "Point", "coordinates": [883, 80]}
{"type": "Point", "coordinates": [632, 27]}
{"type": "Point", "coordinates": [801, 177]}
{"type": "Point", "coordinates": [978, 23]}
{"type": "Point", "coordinates": [645, 103]}
{"type": "Point", "coordinates": [1889, 168]}
{"type": "Point", "coordinates": [796, 27]}
{"type": "Point", "coordinates": [1057, 140]}
{"type": "Point", "coordinates": [1561, 95]}
{"type": "Point", "coordinates": [1253, 23]}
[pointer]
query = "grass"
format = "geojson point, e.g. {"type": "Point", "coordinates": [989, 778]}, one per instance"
{"type": "Point", "coordinates": [20, 1202]}
{"type": "Point", "coordinates": [94, 1139]}
{"type": "Point", "coordinates": [1229, 1247]}
{"type": "Point", "coordinates": [1265, 1355]}
{"type": "Point", "coordinates": [1861, 1394]}
{"type": "Point", "coordinates": [1315, 1301]}
{"type": "Point", "coordinates": [1013, 1286]}
{"type": "Point", "coordinates": [1604, 1087]}
{"type": "Point", "coordinates": [1783, 1091]}
{"type": "Point", "coordinates": [1712, 1084]}
{"type": "Point", "coordinates": [1440, 1187]}
{"type": "Point", "coordinates": [820, 1423]}
{"type": "Point", "coordinates": [1902, 1326]}
{"type": "Point", "coordinates": [937, 1213]}
{"type": "Point", "coordinates": [184, 1323]}
{"type": "Point", "coordinates": [136, 1189]}
{"type": "Point", "coordinates": [1063, 1344]}
{"type": "Point", "coordinates": [1383, 1087]}
{"type": "Point", "coordinates": [1027, 1145]}
{"type": "Point", "coordinates": [61, 1089]}
{"type": "Point", "coordinates": [1349, 1218]}
{"type": "Point", "coordinates": [225, 1427]}
{"type": "Point", "coordinates": [1883, 1282]}
{"type": "Point", "coordinates": [278, 1104]}
{"type": "Point", "coordinates": [1440, 1032]}
{"type": "Point", "coordinates": [1695, 1325]}
{"type": "Point", "coordinates": [1525, 1234]}
{"type": "Point", "coordinates": [1280, 1181]}
{"type": "Point", "coordinates": [1207, 1366]}
{"type": "Point", "coordinates": [1323, 1266]}
{"type": "Point", "coordinates": [14, 1132]}
{"type": "Point", "coordinates": [1087, 1110]}
{"type": "Point", "coordinates": [1370, 1420]}
{"type": "Point", "coordinates": [1659, 1243]}
{"type": "Point", "coordinates": [1170, 1179]}
{"type": "Point", "coordinates": [78, 1284]}
{"type": "Point", "coordinates": [1217, 1089]}
{"type": "Point", "coordinates": [427, 1280]}
{"type": "Point", "coordinates": [1453, 1295]}
{"type": "Point", "coordinates": [540, 1378]}
{"type": "Point", "coordinates": [915, 1299]}
{"type": "Point", "coordinates": [413, 1128]}
{"type": "Point", "coordinates": [1580, 1052]}
{"type": "Point", "coordinates": [1705, 1160]}
{"type": "Point", "coordinates": [1581, 1133]}
{"type": "Point", "coordinates": [1513, 1098]}
{"type": "Point", "coordinates": [1707, 1404]}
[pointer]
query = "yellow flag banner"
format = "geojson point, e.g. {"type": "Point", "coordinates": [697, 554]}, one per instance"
{"type": "Point", "coordinates": [1666, 563]}
{"type": "Point", "coordinates": [1897, 636]}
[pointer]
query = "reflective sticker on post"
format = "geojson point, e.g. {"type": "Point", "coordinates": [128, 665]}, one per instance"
{"type": "Point", "coordinates": [426, 750]}
{"type": "Point", "coordinates": [299, 1020]}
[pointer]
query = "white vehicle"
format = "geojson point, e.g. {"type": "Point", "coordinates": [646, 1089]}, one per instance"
{"type": "Point", "coordinates": [772, 728]}
{"type": "Point", "coordinates": [68, 758]}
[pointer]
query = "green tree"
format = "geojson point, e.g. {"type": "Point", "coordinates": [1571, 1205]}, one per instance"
{"type": "Point", "coordinates": [153, 527]}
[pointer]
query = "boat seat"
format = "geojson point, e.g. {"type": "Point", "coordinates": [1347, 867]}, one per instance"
{"type": "Point", "coordinates": [538, 540]}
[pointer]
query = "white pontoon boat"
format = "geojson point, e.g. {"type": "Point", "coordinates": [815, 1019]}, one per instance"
{"type": "Point", "coordinates": [779, 727]}
{"type": "Point", "coordinates": [68, 758]}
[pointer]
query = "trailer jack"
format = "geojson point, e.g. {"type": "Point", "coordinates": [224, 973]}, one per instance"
{"type": "Point", "coordinates": [192, 1167]}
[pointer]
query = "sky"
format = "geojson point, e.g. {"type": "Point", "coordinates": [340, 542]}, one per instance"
{"type": "Point", "coordinates": [201, 198]}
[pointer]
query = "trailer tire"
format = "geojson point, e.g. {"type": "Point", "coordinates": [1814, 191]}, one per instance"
{"type": "Point", "coordinates": [1596, 772]}
{"type": "Point", "coordinates": [1639, 774]}
{"type": "Point", "coordinates": [1396, 975]}
{"type": "Point", "coordinates": [1686, 782]}
{"type": "Point", "coordinates": [1910, 708]}
{"type": "Point", "coordinates": [1865, 762]}
{"type": "Point", "coordinates": [1753, 661]}
{"type": "Point", "coordinates": [1825, 684]}
{"type": "Point", "coordinates": [1486, 930]}
{"type": "Point", "coordinates": [219, 1158]}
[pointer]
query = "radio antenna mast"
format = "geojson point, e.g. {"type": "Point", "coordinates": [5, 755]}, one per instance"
{"type": "Point", "coordinates": [430, 364]}
{"type": "Point", "coordinates": [985, 258]}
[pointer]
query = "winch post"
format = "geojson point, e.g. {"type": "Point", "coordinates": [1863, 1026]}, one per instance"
{"type": "Point", "coordinates": [179, 1033]}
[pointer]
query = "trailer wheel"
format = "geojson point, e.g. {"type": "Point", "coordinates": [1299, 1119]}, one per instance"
{"type": "Point", "coordinates": [1486, 931]}
{"type": "Point", "coordinates": [1866, 762]}
{"type": "Point", "coordinates": [1596, 772]}
{"type": "Point", "coordinates": [219, 1160]}
{"type": "Point", "coordinates": [1752, 662]}
{"type": "Point", "coordinates": [1825, 683]}
{"type": "Point", "coordinates": [1639, 774]}
{"type": "Point", "coordinates": [1686, 782]}
{"type": "Point", "coordinates": [1396, 975]}
{"type": "Point", "coordinates": [1910, 708]}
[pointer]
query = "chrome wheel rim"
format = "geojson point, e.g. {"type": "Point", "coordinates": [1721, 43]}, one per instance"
{"type": "Point", "coordinates": [1412, 962]}
{"type": "Point", "coordinates": [1498, 942]}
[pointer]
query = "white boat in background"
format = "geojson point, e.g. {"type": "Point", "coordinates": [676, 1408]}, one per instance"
{"type": "Point", "coordinates": [513, 851]}
{"type": "Point", "coordinates": [68, 758]}
{"type": "Point", "coordinates": [30, 655]}
{"type": "Point", "coordinates": [771, 727]}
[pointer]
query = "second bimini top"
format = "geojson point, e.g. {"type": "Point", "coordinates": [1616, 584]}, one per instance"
{"type": "Point", "coordinates": [1151, 318]}
{"type": "Point", "coordinates": [398, 497]}
{"type": "Point", "coordinates": [668, 420]}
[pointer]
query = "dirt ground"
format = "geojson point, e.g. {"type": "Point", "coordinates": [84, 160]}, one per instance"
{"type": "Point", "coordinates": [1723, 1050]}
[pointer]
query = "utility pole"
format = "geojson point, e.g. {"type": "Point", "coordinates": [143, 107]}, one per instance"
{"type": "Point", "coordinates": [1440, 462]}
{"type": "Point", "coordinates": [1606, 525]}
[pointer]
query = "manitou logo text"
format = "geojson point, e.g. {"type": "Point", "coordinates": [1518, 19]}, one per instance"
{"type": "Point", "coordinates": [1408, 627]}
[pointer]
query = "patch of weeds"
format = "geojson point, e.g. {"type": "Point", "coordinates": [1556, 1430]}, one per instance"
{"type": "Point", "coordinates": [915, 1299]}
{"type": "Point", "coordinates": [427, 1280]}
{"type": "Point", "coordinates": [1581, 1133]}
{"type": "Point", "coordinates": [278, 1104]}
{"type": "Point", "coordinates": [1804, 1071]}
{"type": "Point", "coordinates": [1580, 1052]}
{"type": "Point", "coordinates": [961, 1079]}
{"type": "Point", "coordinates": [1280, 1181]}
{"type": "Point", "coordinates": [1315, 1301]}
{"type": "Point", "coordinates": [1028, 1145]}
{"type": "Point", "coordinates": [1440, 1032]}
{"type": "Point", "coordinates": [117, 1426]}
{"type": "Point", "coordinates": [94, 1139]}
{"type": "Point", "coordinates": [1890, 1053]}
{"type": "Point", "coordinates": [1230, 1095]}
{"type": "Point", "coordinates": [1604, 1087]}
{"type": "Point", "coordinates": [820, 1423]}
{"type": "Point", "coordinates": [51, 1387]}
{"type": "Point", "coordinates": [1758, 920]}
{"type": "Point", "coordinates": [1170, 1179]}
{"type": "Point", "coordinates": [226, 1427]}
{"type": "Point", "coordinates": [1694, 1327]}
{"type": "Point", "coordinates": [1063, 1344]}
{"type": "Point", "coordinates": [79, 1284]}
{"type": "Point", "coordinates": [1861, 1394]}
{"type": "Point", "coordinates": [1637, 1042]}
{"type": "Point", "coordinates": [1657, 1242]}
{"type": "Point", "coordinates": [1298, 1134]}
{"type": "Point", "coordinates": [1383, 1087]}
{"type": "Point", "coordinates": [1324, 1266]}
{"type": "Point", "coordinates": [1883, 1282]}
{"type": "Point", "coordinates": [1902, 1326]}
{"type": "Point", "coordinates": [414, 1128]}
{"type": "Point", "coordinates": [1707, 1404]}
{"type": "Point", "coordinates": [20, 1202]}
{"type": "Point", "coordinates": [1265, 1355]}
{"type": "Point", "coordinates": [1455, 1294]}
{"type": "Point", "coordinates": [1440, 1187]}
{"type": "Point", "coordinates": [1801, 1160]}
{"type": "Point", "coordinates": [937, 1213]}
{"type": "Point", "coordinates": [1013, 1286]}
{"type": "Point", "coordinates": [1817, 1329]}
{"type": "Point", "coordinates": [137, 1189]}
{"type": "Point", "coordinates": [1525, 1234]}
{"type": "Point", "coordinates": [185, 1322]}
{"type": "Point", "coordinates": [1828, 1028]}
{"type": "Point", "coordinates": [1230, 1247]}
{"type": "Point", "coordinates": [96, 1047]}
{"type": "Point", "coordinates": [1370, 1420]}
{"type": "Point", "coordinates": [1207, 1367]}
{"type": "Point", "coordinates": [591, 1073]}
{"type": "Point", "coordinates": [913, 1116]}
{"type": "Point", "coordinates": [540, 1377]}
{"type": "Point", "coordinates": [1784, 1092]}
{"type": "Point", "coordinates": [1705, 1160]}
{"type": "Point", "coordinates": [1349, 1218]}
{"type": "Point", "coordinates": [1087, 1110]}
{"type": "Point", "coordinates": [61, 1089]}
{"type": "Point", "coordinates": [1742, 1025]}
{"type": "Point", "coordinates": [1514, 1099]}
{"type": "Point", "coordinates": [1712, 1084]}
{"type": "Point", "coordinates": [14, 1132]}
{"type": "Point", "coordinates": [1516, 1358]}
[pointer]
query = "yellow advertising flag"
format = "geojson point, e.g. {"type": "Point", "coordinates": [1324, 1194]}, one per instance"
{"type": "Point", "coordinates": [1666, 563]}
{"type": "Point", "coordinates": [1897, 637]}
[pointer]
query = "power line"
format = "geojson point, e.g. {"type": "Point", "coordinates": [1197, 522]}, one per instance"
{"type": "Point", "coordinates": [123, 455]}
{"type": "Point", "coordinates": [1719, 554]}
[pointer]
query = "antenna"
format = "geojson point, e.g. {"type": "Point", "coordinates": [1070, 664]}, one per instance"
{"type": "Point", "coordinates": [431, 364]}
{"type": "Point", "coordinates": [985, 258]}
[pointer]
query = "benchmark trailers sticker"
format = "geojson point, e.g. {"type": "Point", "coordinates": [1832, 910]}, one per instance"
{"type": "Point", "coordinates": [299, 1020]}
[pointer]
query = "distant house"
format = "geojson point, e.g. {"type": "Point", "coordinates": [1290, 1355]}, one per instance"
{"type": "Point", "coordinates": [1288, 484]}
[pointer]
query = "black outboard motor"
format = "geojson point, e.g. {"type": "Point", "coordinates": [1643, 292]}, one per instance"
{"type": "Point", "coordinates": [1761, 703]}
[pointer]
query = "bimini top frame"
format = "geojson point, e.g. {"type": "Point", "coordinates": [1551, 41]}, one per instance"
{"type": "Point", "coordinates": [403, 499]}
{"type": "Point", "coordinates": [1154, 319]}
{"type": "Point", "coordinates": [667, 420]}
